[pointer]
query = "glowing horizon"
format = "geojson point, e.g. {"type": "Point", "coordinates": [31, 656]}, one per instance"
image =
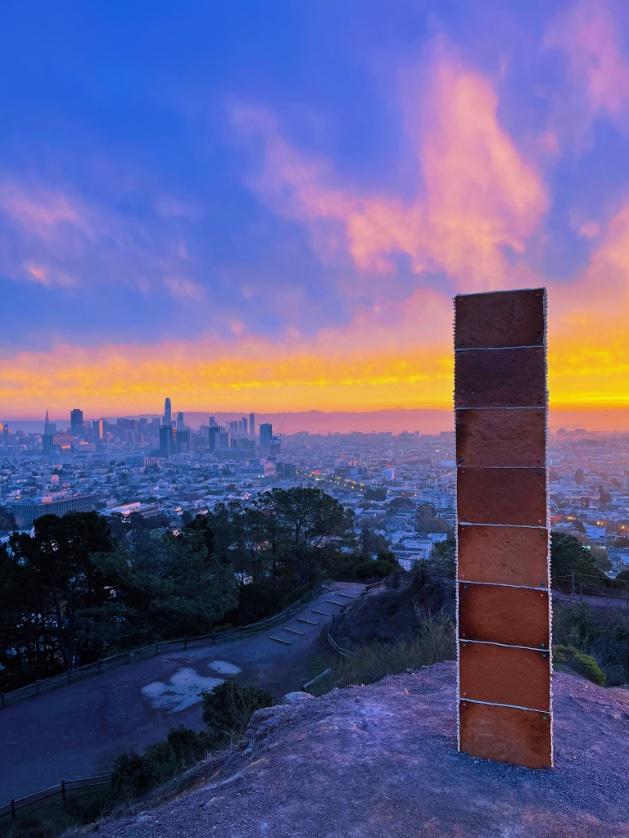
{"type": "Point", "coordinates": [286, 232]}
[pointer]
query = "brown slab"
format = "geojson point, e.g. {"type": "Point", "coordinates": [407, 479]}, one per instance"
{"type": "Point", "coordinates": [499, 437]}
{"type": "Point", "coordinates": [502, 496]}
{"type": "Point", "coordinates": [516, 616]}
{"type": "Point", "coordinates": [500, 378]}
{"type": "Point", "coordinates": [503, 555]}
{"type": "Point", "coordinates": [502, 318]}
{"type": "Point", "coordinates": [506, 735]}
{"type": "Point", "coordinates": [505, 674]}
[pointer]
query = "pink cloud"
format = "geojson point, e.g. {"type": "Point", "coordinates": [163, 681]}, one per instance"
{"type": "Point", "coordinates": [182, 287]}
{"type": "Point", "coordinates": [476, 199]}
{"type": "Point", "coordinates": [41, 210]}
{"type": "Point", "coordinates": [589, 36]}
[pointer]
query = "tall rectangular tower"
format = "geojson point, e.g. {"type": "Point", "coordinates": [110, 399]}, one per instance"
{"type": "Point", "coordinates": [503, 567]}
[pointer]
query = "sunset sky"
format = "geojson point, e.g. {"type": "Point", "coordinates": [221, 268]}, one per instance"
{"type": "Point", "coordinates": [269, 205]}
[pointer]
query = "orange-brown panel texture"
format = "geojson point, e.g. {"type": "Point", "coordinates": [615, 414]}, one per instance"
{"type": "Point", "coordinates": [500, 378]}
{"type": "Point", "coordinates": [502, 496]}
{"type": "Point", "coordinates": [503, 555]}
{"type": "Point", "coordinates": [502, 318]}
{"type": "Point", "coordinates": [506, 735]}
{"type": "Point", "coordinates": [505, 674]}
{"type": "Point", "coordinates": [500, 437]}
{"type": "Point", "coordinates": [516, 616]}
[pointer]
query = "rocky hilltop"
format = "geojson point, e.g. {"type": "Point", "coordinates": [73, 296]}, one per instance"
{"type": "Point", "coordinates": [381, 760]}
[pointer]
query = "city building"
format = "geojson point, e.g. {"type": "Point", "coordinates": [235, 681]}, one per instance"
{"type": "Point", "coordinates": [28, 511]}
{"type": "Point", "coordinates": [76, 422]}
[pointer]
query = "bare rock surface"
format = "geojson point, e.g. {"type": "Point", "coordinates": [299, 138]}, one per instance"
{"type": "Point", "coordinates": [381, 760]}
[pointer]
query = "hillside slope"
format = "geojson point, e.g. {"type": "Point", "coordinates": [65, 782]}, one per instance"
{"type": "Point", "coordinates": [381, 760]}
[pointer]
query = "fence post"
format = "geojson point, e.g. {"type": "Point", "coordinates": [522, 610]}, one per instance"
{"type": "Point", "coordinates": [63, 790]}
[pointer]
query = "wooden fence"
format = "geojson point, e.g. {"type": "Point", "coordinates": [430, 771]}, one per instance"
{"type": "Point", "coordinates": [63, 790]}
{"type": "Point", "coordinates": [152, 650]}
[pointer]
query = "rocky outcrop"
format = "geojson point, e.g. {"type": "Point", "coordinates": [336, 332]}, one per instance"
{"type": "Point", "coordinates": [394, 610]}
{"type": "Point", "coordinates": [381, 760]}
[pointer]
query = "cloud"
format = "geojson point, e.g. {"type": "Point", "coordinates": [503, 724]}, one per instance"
{"type": "Point", "coordinates": [589, 36]}
{"type": "Point", "coordinates": [589, 338]}
{"type": "Point", "coordinates": [57, 238]}
{"type": "Point", "coordinates": [182, 288]}
{"type": "Point", "coordinates": [476, 202]}
{"type": "Point", "coordinates": [41, 211]}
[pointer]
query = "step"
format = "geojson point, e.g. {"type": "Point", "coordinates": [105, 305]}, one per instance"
{"type": "Point", "coordinates": [294, 631]}
{"type": "Point", "coordinates": [333, 602]}
{"type": "Point", "coordinates": [309, 622]}
{"type": "Point", "coordinates": [324, 613]}
{"type": "Point", "coordinates": [280, 640]}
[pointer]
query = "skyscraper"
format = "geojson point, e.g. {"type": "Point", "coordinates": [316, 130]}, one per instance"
{"type": "Point", "coordinates": [168, 413]}
{"type": "Point", "coordinates": [252, 424]}
{"type": "Point", "coordinates": [182, 435]}
{"type": "Point", "coordinates": [76, 422]}
{"type": "Point", "coordinates": [166, 440]}
{"type": "Point", "coordinates": [266, 436]}
{"type": "Point", "coordinates": [47, 437]}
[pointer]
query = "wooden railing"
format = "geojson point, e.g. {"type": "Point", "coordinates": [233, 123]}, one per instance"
{"type": "Point", "coordinates": [149, 651]}
{"type": "Point", "coordinates": [63, 790]}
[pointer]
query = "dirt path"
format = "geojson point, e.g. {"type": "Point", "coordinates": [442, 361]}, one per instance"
{"type": "Point", "coordinates": [77, 731]}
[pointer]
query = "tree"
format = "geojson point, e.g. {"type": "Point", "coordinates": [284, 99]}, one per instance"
{"type": "Point", "coordinates": [428, 521]}
{"type": "Point", "coordinates": [299, 524]}
{"type": "Point", "coordinates": [7, 519]}
{"type": "Point", "coordinates": [572, 563]}
{"type": "Point", "coordinates": [57, 558]}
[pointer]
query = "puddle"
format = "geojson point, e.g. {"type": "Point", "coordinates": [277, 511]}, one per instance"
{"type": "Point", "coordinates": [182, 690]}
{"type": "Point", "coordinates": [224, 667]}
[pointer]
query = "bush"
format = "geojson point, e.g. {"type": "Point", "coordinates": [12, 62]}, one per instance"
{"type": "Point", "coordinates": [377, 569]}
{"type": "Point", "coordinates": [229, 707]}
{"type": "Point", "coordinates": [601, 633]}
{"type": "Point", "coordinates": [580, 663]}
{"type": "Point", "coordinates": [434, 642]}
{"type": "Point", "coordinates": [134, 775]}
{"type": "Point", "coordinates": [258, 600]}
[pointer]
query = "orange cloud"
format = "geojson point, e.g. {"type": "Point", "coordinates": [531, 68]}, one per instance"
{"type": "Point", "coordinates": [394, 355]}
{"type": "Point", "coordinates": [477, 197]}
{"type": "Point", "coordinates": [589, 333]}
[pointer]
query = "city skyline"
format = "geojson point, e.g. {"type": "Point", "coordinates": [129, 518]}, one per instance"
{"type": "Point", "coordinates": [285, 226]}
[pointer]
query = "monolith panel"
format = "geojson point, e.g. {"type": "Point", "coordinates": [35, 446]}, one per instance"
{"type": "Point", "coordinates": [503, 574]}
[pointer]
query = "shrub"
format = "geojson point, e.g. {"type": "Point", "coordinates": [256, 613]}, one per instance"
{"type": "Point", "coordinates": [136, 774]}
{"type": "Point", "coordinates": [579, 662]}
{"type": "Point", "coordinates": [602, 633]}
{"type": "Point", "coordinates": [258, 600]}
{"type": "Point", "coordinates": [228, 708]}
{"type": "Point", "coordinates": [434, 642]}
{"type": "Point", "coordinates": [377, 569]}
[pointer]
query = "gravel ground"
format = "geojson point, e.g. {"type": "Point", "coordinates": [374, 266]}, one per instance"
{"type": "Point", "coordinates": [381, 760]}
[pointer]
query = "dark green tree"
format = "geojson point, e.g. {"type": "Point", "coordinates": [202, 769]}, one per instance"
{"type": "Point", "coordinates": [572, 564]}
{"type": "Point", "coordinates": [62, 576]}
